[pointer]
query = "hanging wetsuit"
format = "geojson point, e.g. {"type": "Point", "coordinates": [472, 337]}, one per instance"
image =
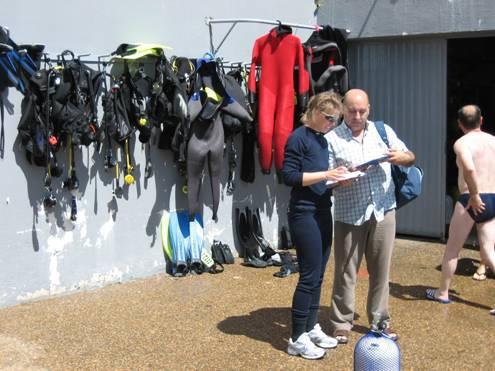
{"type": "Point", "coordinates": [278, 52]}
{"type": "Point", "coordinates": [206, 106]}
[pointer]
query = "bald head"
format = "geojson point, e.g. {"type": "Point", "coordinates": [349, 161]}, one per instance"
{"type": "Point", "coordinates": [354, 95]}
{"type": "Point", "coordinates": [356, 110]}
{"type": "Point", "coordinates": [469, 116]}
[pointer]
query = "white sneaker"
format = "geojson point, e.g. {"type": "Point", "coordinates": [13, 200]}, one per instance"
{"type": "Point", "coordinates": [318, 337]}
{"type": "Point", "coordinates": [305, 348]}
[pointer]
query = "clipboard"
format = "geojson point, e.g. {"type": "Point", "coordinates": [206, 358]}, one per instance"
{"type": "Point", "coordinates": [373, 162]}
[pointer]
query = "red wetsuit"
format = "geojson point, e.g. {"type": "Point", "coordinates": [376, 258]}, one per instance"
{"type": "Point", "coordinates": [277, 53]}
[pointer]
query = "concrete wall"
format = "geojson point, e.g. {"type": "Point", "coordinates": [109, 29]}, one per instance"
{"type": "Point", "coordinates": [114, 239]}
{"type": "Point", "coordinates": [380, 18]}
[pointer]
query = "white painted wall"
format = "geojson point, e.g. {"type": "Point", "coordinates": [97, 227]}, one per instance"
{"type": "Point", "coordinates": [115, 240]}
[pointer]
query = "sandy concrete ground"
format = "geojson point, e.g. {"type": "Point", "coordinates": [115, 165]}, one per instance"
{"type": "Point", "coordinates": [240, 320]}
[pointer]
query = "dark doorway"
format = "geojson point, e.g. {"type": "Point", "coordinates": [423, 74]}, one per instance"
{"type": "Point", "coordinates": [470, 80]}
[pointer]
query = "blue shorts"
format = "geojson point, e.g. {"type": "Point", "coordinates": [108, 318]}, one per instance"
{"type": "Point", "coordinates": [488, 214]}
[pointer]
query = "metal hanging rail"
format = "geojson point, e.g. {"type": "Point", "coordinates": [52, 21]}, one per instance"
{"type": "Point", "coordinates": [209, 21]}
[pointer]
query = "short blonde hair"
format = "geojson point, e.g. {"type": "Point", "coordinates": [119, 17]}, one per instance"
{"type": "Point", "coordinates": [322, 102]}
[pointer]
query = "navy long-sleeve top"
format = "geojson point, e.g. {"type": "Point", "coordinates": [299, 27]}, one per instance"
{"type": "Point", "coordinates": [306, 151]}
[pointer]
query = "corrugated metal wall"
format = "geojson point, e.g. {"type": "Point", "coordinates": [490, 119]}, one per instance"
{"type": "Point", "coordinates": [406, 82]}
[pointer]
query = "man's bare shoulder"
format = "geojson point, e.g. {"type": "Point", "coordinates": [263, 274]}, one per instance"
{"type": "Point", "coordinates": [489, 137]}
{"type": "Point", "coordinates": [461, 144]}
{"type": "Point", "coordinates": [473, 140]}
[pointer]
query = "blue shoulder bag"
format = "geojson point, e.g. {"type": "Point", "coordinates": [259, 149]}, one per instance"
{"type": "Point", "coordinates": [407, 180]}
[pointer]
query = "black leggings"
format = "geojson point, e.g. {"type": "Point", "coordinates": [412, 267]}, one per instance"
{"type": "Point", "coordinates": [311, 232]}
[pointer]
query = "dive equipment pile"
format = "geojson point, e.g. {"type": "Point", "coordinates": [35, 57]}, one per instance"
{"type": "Point", "coordinates": [195, 107]}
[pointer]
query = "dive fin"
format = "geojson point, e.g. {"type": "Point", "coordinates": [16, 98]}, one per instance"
{"type": "Point", "coordinates": [164, 224]}
{"type": "Point", "coordinates": [178, 232]}
{"type": "Point", "coordinates": [196, 242]}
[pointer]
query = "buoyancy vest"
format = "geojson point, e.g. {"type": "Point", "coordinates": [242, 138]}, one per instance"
{"type": "Point", "coordinates": [326, 60]}
{"type": "Point", "coordinates": [155, 93]}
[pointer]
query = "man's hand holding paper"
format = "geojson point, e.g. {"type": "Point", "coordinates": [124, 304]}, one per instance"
{"type": "Point", "coordinates": [365, 165]}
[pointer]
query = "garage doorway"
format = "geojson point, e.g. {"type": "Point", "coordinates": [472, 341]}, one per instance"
{"type": "Point", "coordinates": [470, 80]}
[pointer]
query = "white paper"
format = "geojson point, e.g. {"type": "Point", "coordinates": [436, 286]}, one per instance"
{"type": "Point", "coordinates": [348, 176]}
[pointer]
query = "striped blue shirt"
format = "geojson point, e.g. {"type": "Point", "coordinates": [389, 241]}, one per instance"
{"type": "Point", "coordinates": [373, 193]}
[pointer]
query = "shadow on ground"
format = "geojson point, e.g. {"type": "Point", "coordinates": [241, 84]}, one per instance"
{"type": "Point", "coordinates": [270, 325]}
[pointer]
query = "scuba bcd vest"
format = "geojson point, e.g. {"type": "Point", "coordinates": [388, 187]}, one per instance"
{"type": "Point", "coordinates": [17, 64]}
{"type": "Point", "coordinates": [326, 60]}
{"type": "Point", "coordinates": [60, 101]}
{"type": "Point", "coordinates": [115, 118]}
{"type": "Point", "coordinates": [151, 87]}
{"type": "Point", "coordinates": [184, 69]}
{"type": "Point", "coordinates": [74, 102]}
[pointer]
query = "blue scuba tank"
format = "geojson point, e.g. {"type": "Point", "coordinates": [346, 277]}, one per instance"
{"type": "Point", "coordinates": [376, 351]}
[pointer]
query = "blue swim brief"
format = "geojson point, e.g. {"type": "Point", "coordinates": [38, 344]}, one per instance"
{"type": "Point", "coordinates": [488, 214]}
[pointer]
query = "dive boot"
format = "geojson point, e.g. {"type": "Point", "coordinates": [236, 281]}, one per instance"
{"type": "Point", "coordinates": [285, 239]}
{"type": "Point", "coordinates": [257, 231]}
{"type": "Point", "coordinates": [248, 244]}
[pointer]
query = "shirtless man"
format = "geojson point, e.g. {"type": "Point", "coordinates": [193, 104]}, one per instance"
{"type": "Point", "coordinates": [475, 152]}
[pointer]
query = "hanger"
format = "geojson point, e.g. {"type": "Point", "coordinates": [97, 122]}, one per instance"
{"type": "Point", "coordinates": [283, 29]}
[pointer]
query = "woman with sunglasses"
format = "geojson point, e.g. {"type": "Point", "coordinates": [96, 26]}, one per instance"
{"type": "Point", "coordinates": [305, 169]}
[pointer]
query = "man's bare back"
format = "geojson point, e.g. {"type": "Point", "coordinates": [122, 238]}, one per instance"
{"type": "Point", "coordinates": [476, 162]}
{"type": "Point", "coordinates": [476, 150]}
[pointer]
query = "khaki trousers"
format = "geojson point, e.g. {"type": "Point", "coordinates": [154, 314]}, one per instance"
{"type": "Point", "coordinates": [374, 241]}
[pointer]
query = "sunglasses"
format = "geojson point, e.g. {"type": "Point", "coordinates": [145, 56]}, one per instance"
{"type": "Point", "coordinates": [331, 118]}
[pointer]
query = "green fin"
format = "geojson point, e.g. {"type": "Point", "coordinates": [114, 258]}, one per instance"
{"type": "Point", "coordinates": [167, 248]}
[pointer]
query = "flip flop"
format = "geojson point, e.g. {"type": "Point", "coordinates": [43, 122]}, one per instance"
{"type": "Point", "coordinates": [391, 334]}
{"type": "Point", "coordinates": [479, 276]}
{"type": "Point", "coordinates": [430, 295]}
{"type": "Point", "coordinates": [342, 336]}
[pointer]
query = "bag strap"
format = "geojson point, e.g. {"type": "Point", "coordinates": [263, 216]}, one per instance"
{"type": "Point", "coordinates": [380, 127]}
{"type": "Point", "coordinates": [2, 132]}
{"type": "Point", "coordinates": [216, 268]}
{"type": "Point", "coordinates": [8, 67]}
{"type": "Point", "coordinates": [232, 156]}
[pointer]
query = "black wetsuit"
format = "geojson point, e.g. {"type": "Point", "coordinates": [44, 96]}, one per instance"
{"type": "Point", "coordinates": [310, 222]}
{"type": "Point", "coordinates": [210, 101]}
{"type": "Point", "coordinates": [205, 145]}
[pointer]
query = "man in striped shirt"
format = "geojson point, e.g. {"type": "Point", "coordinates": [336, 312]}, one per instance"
{"type": "Point", "coordinates": [364, 212]}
